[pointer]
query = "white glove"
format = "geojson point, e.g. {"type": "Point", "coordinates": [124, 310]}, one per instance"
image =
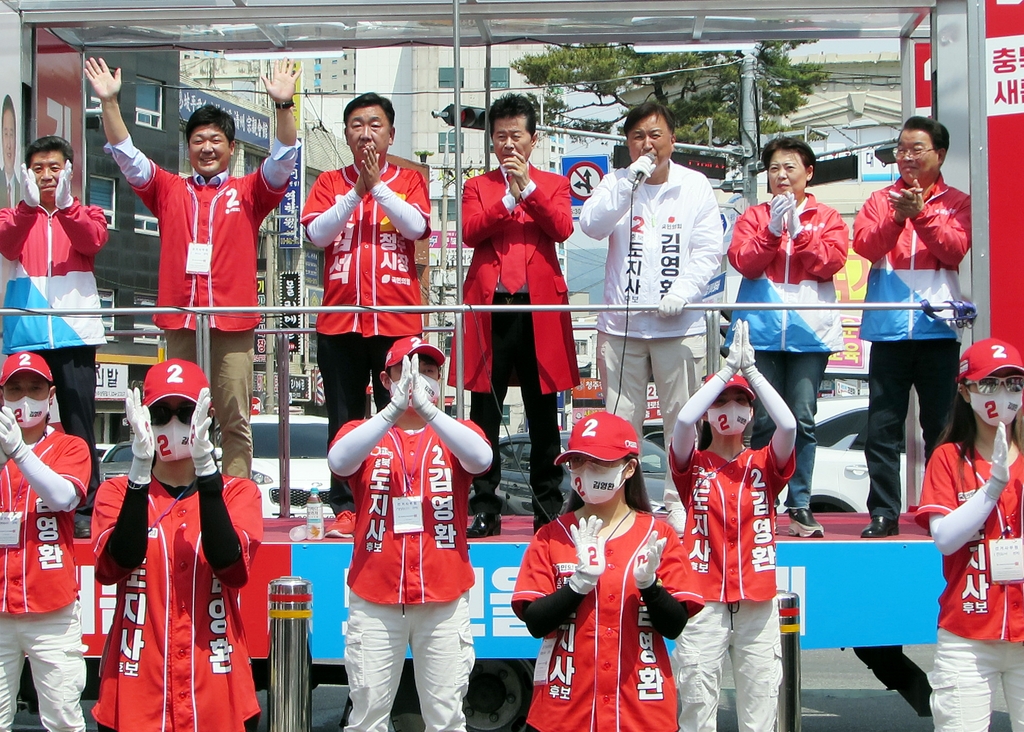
{"type": "Point", "coordinates": [780, 206]}
{"type": "Point", "coordinates": [589, 555]}
{"type": "Point", "coordinates": [999, 476]}
{"type": "Point", "coordinates": [141, 471]}
{"type": "Point", "coordinates": [201, 446]}
{"type": "Point", "coordinates": [422, 394]}
{"type": "Point", "coordinates": [63, 197]}
{"type": "Point", "coordinates": [646, 570]}
{"type": "Point", "coordinates": [732, 361]}
{"type": "Point", "coordinates": [29, 187]}
{"type": "Point", "coordinates": [641, 168]}
{"type": "Point", "coordinates": [670, 305]}
{"type": "Point", "coordinates": [401, 393]}
{"type": "Point", "coordinates": [11, 441]}
{"type": "Point", "coordinates": [741, 342]}
{"type": "Point", "coordinates": [793, 224]}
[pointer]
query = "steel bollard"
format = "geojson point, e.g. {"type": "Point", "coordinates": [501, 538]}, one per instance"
{"type": "Point", "coordinates": [289, 695]}
{"type": "Point", "coordinates": [789, 696]}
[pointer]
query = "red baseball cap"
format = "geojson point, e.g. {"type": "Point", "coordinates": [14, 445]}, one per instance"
{"type": "Point", "coordinates": [410, 346]}
{"type": "Point", "coordinates": [174, 377]}
{"type": "Point", "coordinates": [602, 436]}
{"type": "Point", "coordinates": [25, 361]}
{"type": "Point", "coordinates": [736, 382]}
{"type": "Point", "coordinates": [987, 356]}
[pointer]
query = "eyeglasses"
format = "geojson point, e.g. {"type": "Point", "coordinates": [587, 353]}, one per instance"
{"type": "Point", "coordinates": [991, 384]}
{"type": "Point", "coordinates": [911, 153]}
{"type": "Point", "coordinates": [160, 414]}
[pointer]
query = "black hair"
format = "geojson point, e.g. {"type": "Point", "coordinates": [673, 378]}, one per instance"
{"type": "Point", "coordinates": [509, 106]}
{"type": "Point", "coordinates": [935, 129]}
{"type": "Point", "coordinates": [789, 144]}
{"type": "Point", "coordinates": [634, 492]}
{"type": "Point", "coordinates": [371, 99]}
{"type": "Point", "coordinates": [49, 143]}
{"type": "Point", "coordinates": [645, 110]}
{"type": "Point", "coordinates": [8, 105]}
{"type": "Point", "coordinates": [208, 115]}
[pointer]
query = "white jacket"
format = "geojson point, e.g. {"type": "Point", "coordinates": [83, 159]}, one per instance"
{"type": "Point", "coordinates": [678, 230]}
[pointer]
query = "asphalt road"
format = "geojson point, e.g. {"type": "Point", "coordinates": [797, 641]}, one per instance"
{"type": "Point", "coordinates": [839, 695]}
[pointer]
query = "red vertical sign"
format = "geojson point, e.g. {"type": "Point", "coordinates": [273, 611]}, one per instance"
{"type": "Point", "coordinates": [1004, 71]}
{"type": "Point", "coordinates": [923, 78]}
{"type": "Point", "coordinates": [59, 79]}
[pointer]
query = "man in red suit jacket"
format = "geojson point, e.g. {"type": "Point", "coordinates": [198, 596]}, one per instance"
{"type": "Point", "coordinates": [513, 217]}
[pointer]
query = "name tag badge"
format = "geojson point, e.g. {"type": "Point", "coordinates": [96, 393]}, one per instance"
{"type": "Point", "coordinates": [407, 513]}
{"type": "Point", "coordinates": [540, 669]}
{"type": "Point", "coordinates": [199, 258]}
{"type": "Point", "coordinates": [10, 528]}
{"type": "Point", "coordinates": [1006, 560]}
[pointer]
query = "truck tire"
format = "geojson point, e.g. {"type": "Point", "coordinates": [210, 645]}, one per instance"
{"type": "Point", "coordinates": [499, 695]}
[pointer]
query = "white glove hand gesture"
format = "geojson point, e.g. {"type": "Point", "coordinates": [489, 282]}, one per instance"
{"type": "Point", "coordinates": [201, 446]}
{"type": "Point", "coordinates": [423, 396]}
{"type": "Point", "coordinates": [63, 198]}
{"type": "Point", "coordinates": [999, 476]}
{"type": "Point", "coordinates": [642, 167]}
{"type": "Point", "coordinates": [589, 554]}
{"type": "Point", "coordinates": [670, 305]}
{"type": "Point", "coordinates": [142, 438]}
{"type": "Point", "coordinates": [11, 441]}
{"type": "Point", "coordinates": [793, 224]}
{"type": "Point", "coordinates": [741, 342]}
{"type": "Point", "coordinates": [401, 393]}
{"type": "Point", "coordinates": [645, 571]}
{"type": "Point", "coordinates": [734, 361]}
{"type": "Point", "coordinates": [29, 187]}
{"type": "Point", "coordinates": [779, 207]}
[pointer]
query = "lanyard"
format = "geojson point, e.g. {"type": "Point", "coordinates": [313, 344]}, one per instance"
{"type": "Point", "coordinates": [167, 510]}
{"type": "Point", "coordinates": [408, 476]}
{"type": "Point", "coordinates": [1004, 529]}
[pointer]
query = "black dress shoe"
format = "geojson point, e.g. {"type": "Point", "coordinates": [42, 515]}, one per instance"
{"type": "Point", "coordinates": [484, 524]}
{"type": "Point", "coordinates": [880, 527]}
{"type": "Point", "coordinates": [83, 528]}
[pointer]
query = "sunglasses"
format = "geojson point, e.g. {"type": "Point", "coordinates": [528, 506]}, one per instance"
{"type": "Point", "coordinates": [160, 414]}
{"type": "Point", "coordinates": [991, 384]}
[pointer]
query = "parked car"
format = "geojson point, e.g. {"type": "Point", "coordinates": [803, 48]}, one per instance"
{"type": "Point", "coordinates": [515, 473]}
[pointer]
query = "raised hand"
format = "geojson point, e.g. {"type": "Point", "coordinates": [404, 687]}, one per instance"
{"type": "Point", "coordinates": [424, 400]}
{"type": "Point", "coordinates": [143, 444]}
{"type": "Point", "coordinates": [999, 477]}
{"type": "Point", "coordinates": [11, 441]}
{"type": "Point", "coordinates": [281, 87]}
{"type": "Point", "coordinates": [590, 559]}
{"type": "Point", "coordinates": [780, 207]}
{"type": "Point", "coordinates": [401, 393]}
{"type": "Point", "coordinates": [201, 446]}
{"type": "Point", "coordinates": [63, 198]}
{"type": "Point", "coordinates": [646, 569]}
{"type": "Point", "coordinates": [29, 187]}
{"type": "Point", "coordinates": [105, 84]}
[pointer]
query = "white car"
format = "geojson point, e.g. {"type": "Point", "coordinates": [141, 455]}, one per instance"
{"type": "Point", "coordinates": [307, 467]}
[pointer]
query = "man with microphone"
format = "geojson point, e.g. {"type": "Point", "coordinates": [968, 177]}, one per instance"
{"type": "Point", "coordinates": [513, 217]}
{"type": "Point", "coordinates": [664, 236]}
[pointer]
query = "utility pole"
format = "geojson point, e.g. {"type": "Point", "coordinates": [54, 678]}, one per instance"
{"type": "Point", "coordinates": [748, 125]}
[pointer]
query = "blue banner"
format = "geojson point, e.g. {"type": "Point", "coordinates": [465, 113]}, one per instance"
{"type": "Point", "coordinates": [251, 128]}
{"type": "Point", "coordinates": [289, 232]}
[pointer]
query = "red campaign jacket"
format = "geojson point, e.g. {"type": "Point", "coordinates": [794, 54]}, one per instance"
{"type": "Point", "coordinates": [539, 221]}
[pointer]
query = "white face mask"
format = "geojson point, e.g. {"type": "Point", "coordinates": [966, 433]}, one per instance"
{"type": "Point", "coordinates": [995, 408]}
{"type": "Point", "coordinates": [731, 418]}
{"type": "Point", "coordinates": [434, 387]}
{"type": "Point", "coordinates": [597, 484]}
{"type": "Point", "coordinates": [29, 412]}
{"type": "Point", "coordinates": [172, 441]}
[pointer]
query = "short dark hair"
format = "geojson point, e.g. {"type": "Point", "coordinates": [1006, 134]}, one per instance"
{"type": "Point", "coordinates": [8, 105]}
{"type": "Point", "coordinates": [645, 110]}
{"type": "Point", "coordinates": [209, 115]}
{"type": "Point", "coordinates": [789, 144]}
{"type": "Point", "coordinates": [935, 129]}
{"type": "Point", "coordinates": [49, 143]}
{"type": "Point", "coordinates": [371, 99]}
{"type": "Point", "coordinates": [510, 106]}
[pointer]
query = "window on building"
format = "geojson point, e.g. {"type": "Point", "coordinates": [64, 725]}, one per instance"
{"type": "Point", "coordinates": [149, 103]}
{"type": "Point", "coordinates": [344, 87]}
{"type": "Point", "coordinates": [449, 137]}
{"type": "Point", "coordinates": [145, 222]}
{"type": "Point", "coordinates": [446, 77]}
{"type": "Point", "coordinates": [145, 323]}
{"type": "Point", "coordinates": [581, 348]}
{"type": "Point", "coordinates": [102, 192]}
{"type": "Point", "coordinates": [500, 78]}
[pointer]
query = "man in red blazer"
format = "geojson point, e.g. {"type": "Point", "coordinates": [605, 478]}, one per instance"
{"type": "Point", "coordinates": [513, 217]}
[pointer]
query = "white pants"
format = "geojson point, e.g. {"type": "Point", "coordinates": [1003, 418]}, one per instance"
{"type": "Point", "coordinates": [964, 678]}
{"type": "Point", "coordinates": [442, 653]}
{"type": "Point", "coordinates": [627, 364]}
{"type": "Point", "coordinates": [751, 637]}
{"type": "Point", "coordinates": [53, 642]}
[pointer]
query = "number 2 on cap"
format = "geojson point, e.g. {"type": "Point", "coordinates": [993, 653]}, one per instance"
{"type": "Point", "coordinates": [174, 374]}
{"type": "Point", "coordinates": [589, 428]}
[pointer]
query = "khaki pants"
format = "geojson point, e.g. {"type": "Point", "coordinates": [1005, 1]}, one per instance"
{"type": "Point", "coordinates": [231, 355]}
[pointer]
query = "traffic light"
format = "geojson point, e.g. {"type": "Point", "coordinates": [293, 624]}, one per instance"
{"type": "Point", "coordinates": [472, 118]}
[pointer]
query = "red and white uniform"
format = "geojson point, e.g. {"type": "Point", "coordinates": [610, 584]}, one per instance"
{"type": "Point", "coordinates": [176, 656]}
{"type": "Point", "coordinates": [981, 622]}
{"type": "Point", "coordinates": [608, 668]}
{"type": "Point", "coordinates": [229, 218]}
{"type": "Point", "coordinates": [730, 541]}
{"type": "Point", "coordinates": [370, 263]}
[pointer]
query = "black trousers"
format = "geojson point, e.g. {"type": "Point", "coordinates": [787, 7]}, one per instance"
{"type": "Point", "coordinates": [930, 366]}
{"type": "Point", "coordinates": [348, 362]}
{"type": "Point", "coordinates": [514, 348]}
{"type": "Point", "coordinates": [74, 376]}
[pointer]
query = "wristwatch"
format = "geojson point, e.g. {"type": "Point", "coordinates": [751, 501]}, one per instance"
{"type": "Point", "coordinates": [284, 105]}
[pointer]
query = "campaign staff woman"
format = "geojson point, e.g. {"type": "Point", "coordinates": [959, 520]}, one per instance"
{"type": "Point", "coordinates": [603, 585]}
{"type": "Point", "coordinates": [971, 503]}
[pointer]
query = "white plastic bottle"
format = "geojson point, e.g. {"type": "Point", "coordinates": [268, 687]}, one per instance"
{"type": "Point", "coordinates": [314, 516]}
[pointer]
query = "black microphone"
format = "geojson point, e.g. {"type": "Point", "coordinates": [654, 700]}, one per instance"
{"type": "Point", "coordinates": [640, 176]}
